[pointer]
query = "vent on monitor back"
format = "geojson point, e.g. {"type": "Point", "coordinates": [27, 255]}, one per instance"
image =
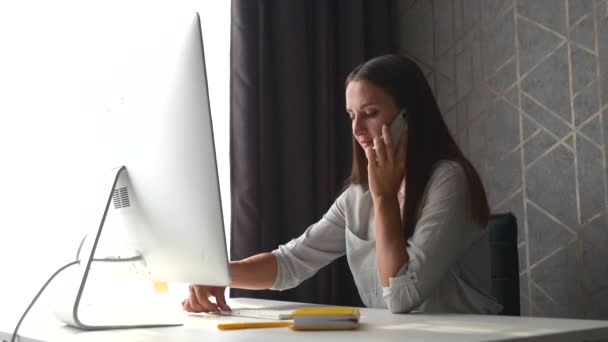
{"type": "Point", "coordinates": [121, 198]}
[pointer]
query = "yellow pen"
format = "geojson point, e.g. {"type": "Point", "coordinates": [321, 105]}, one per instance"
{"type": "Point", "coordinates": [253, 325]}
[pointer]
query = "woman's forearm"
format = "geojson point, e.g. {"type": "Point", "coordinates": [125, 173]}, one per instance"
{"type": "Point", "coordinates": [390, 243]}
{"type": "Point", "coordinates": [257, 272]}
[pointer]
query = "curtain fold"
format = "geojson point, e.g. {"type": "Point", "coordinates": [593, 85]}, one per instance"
{"type": "Point", "coordinates": [290, 139]}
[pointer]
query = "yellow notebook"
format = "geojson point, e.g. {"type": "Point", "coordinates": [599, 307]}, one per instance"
{"type": "Point", "coordinates": [325, 318]}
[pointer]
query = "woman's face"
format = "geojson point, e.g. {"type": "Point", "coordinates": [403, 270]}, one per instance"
{"type": "Point", "coordinates": [369, 107]}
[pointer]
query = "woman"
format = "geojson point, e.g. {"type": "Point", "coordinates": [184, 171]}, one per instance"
{"type": "Point", "coordinates": [411, 220]}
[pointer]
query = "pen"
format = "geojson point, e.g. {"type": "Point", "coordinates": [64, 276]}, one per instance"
{"type": "Point", "coordinates": [253, 325]}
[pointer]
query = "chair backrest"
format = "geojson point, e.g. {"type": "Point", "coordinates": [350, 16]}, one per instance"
{"type": "Point", "coordinates": [502, 229]}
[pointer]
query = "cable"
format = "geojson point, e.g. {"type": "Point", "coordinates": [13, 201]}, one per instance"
{"type": "Point", "coordinates": [76, 262]}
{"type": "Point", "coordinates": [80, 247]}
{"type": "Point", "coordinates": [14, 337]}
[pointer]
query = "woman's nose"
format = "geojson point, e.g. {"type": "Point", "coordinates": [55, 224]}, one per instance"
{"type": "Point", "coordinates": [358, 126]}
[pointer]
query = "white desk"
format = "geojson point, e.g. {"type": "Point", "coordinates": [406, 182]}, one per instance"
{"type": "Point", "coordinates": [376, 325]}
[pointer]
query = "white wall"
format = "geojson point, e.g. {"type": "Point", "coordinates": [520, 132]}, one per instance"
{"type": "Point", "coordinates": [43, 70]}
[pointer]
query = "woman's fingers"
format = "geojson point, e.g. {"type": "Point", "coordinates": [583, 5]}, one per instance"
{"type": "Point", "coordinates": [370, 153]}
{"type": "Point", "coordinates": [221, 300]}
{"type": "Point", "coordinates": [199, 300]}
{"type": "Point", "coordinates": [380, 150]}
{"type": "Point", "coordinates": [188, 307]}
{"type": "Point", "coordinates": [388, 143]}
{"type": "Point", "coordinates": [193, 304]}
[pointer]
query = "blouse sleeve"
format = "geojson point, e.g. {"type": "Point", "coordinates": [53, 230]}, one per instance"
{"type": "Point", "coordinates": [319, 245]}
{"type": "Point", "coordinates": [443, 233]}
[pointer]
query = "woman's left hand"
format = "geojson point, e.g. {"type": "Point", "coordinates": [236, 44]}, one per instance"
{"type": "Point", "coordinates": [386, 165]}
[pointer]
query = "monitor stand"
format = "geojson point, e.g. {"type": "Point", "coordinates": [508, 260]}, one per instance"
{"type": "Point", "coordinates": [94, 317]}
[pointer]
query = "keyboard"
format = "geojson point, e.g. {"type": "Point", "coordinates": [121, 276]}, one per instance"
{"type": "Point", "coordinates": [276, 312]}
{"type": "Point", "coordinates": [278, 315]}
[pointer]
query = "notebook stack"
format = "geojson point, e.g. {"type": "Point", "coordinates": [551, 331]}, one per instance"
{"type": "Point", "coordinates": [326, 318]}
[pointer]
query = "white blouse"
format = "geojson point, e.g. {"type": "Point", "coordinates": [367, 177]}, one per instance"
{"type": "Point", "coordinates": [449, 257]}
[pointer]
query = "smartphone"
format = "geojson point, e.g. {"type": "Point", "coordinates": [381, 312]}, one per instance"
{"type": "Point", "coordinates": [397, 125]}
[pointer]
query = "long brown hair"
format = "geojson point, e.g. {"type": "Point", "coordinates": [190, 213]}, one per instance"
{"type": "Point", "coordinates": [429, 139]}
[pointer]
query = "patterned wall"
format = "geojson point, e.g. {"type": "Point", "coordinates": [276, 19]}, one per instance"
{"type": "Point", "coordinates": [523, 85]}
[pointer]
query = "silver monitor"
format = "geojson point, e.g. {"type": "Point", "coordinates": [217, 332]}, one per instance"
{"type": "Point", "coordinates": [162, 199]}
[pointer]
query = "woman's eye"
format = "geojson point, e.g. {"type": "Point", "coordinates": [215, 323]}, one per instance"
{"type": "Point", "coordinates": [366, 115]}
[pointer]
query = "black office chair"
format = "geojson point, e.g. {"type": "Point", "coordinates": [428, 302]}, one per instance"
{"type": "Point", "coordinates": [502, 229]}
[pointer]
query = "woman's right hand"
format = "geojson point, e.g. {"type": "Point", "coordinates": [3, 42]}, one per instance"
{"type": "Point", "coordinates": [198, 299]}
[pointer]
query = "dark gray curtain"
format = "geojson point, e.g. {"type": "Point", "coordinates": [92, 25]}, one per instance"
{"type": "Point", "coordinates": [290, 140]}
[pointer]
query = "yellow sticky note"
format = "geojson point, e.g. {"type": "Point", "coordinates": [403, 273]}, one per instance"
{"type": "Point", "coordinates": [161, 286]}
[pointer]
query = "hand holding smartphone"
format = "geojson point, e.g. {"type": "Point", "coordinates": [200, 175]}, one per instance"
{"type": "Point", "coordinates": [397, 125]}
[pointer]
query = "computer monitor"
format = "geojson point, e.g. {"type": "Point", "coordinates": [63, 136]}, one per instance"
{"type": "Point", "coordinates": [157, 145]}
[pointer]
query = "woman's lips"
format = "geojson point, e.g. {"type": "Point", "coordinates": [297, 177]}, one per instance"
{"type": "Point", "coordinates": [366, 143]}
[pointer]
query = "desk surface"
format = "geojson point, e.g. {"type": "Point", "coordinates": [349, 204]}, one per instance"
{"type": "Point", "coordinates": [376, 324]}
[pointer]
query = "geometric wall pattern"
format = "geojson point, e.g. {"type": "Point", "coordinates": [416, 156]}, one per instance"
{"type": "Point", "coordinates": [523, 86]}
